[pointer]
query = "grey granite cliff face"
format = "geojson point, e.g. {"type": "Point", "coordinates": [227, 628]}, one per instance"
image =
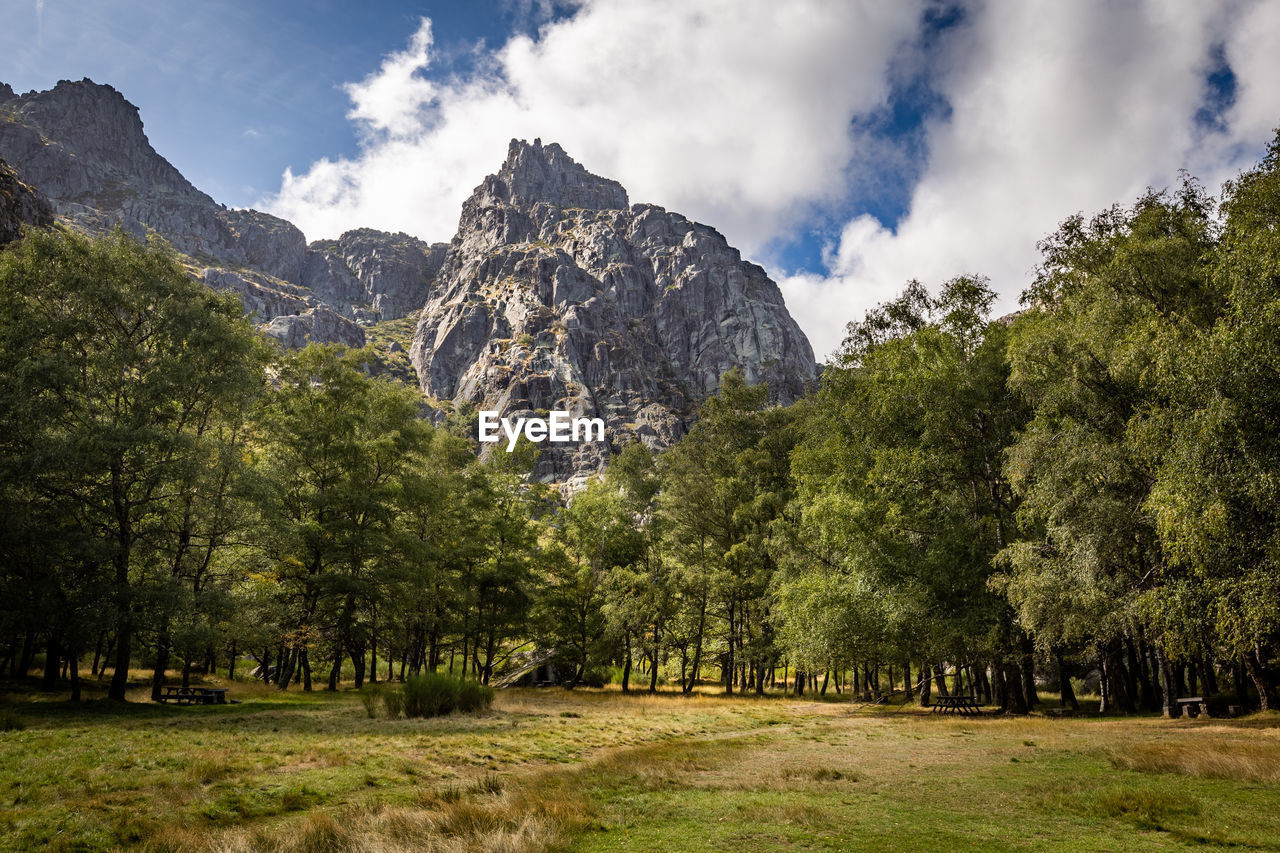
{"type": "Point", "coordinates": [83, 145]}
{"type": "Point", "coordinates": [371, 275]}
{"type": "Point", "coordinates": [19, 205]}
{"type": "Point", "coordinates": [555, 294]}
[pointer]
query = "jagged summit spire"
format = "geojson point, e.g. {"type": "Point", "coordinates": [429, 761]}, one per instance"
{"type": "Point", "coordinates": [534, 173]}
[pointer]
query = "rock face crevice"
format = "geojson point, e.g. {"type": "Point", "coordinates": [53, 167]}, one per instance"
{"type": "Point", "coordinates": [556, 293]}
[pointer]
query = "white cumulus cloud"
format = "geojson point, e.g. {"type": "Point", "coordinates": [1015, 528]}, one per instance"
{"type": "Point", "coordinates": [734, 112]}
{"type": "Point", "coordinates": [739, 113]}
{"type": "Point", "coordinates": [1057, 108]}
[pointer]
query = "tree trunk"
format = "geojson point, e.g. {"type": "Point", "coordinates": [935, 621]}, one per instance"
{"type": "Point", "coordinates": [52, 659]}
{"type": "Point", "coordinates": [1237, 676]}
{"type": "Point", "coordinates": [1067, 693]}
{"type": "Point", "coordinates": [120, 672]}
{"type": "Point", "coordinates": [1119, 679]}
{"type": "Point", "coordinates": [162, 660]}
{"type": "Point", "coordinates": [1208, 676]}
{"type": "Point", "coordinates": [284, 672]}
{"type": "Point", "coordinates": [1169, 707]}
{"type": "Point", "coordinates": [697, 648]}
{"type": "Point", "coordinates": [1028, 669]}
{"type": "Point", "coordinates": [73, 660]}
{"type": "Point", "coordinates": [1027, 665]}
{"type": "Point", "coordinates": [626, 665]}
{"type": "Point", "coordinates": [335, 671]}
{"type": "Point", "coordinates": [653, 672]}
{"type": "Point", "coordinates": [940, 678]}
{"type": "Point", "coordinates": [1258, 675]}
{"type": "Point", "coordinates": [97, 653]}
{"type": "Point", "coordinates": [1104, 690]}
{"type": "Point", "coordinates": [357, 663]}
{"type": "Point", "coordinates": [728, 661]}
{"type": "Point", "coordinates": [1013, 679]}
{"type": "Point", "coordinates": [926, 682]}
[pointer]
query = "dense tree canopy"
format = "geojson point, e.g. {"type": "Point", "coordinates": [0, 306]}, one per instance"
{"type": "Point", "coordinates": [1085, 490]}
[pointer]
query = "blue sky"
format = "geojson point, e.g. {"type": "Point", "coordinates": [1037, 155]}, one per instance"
{"type": "Point", "coordinates": [232, 93]}
{"type": "Point", "coordinates": [846, 145]}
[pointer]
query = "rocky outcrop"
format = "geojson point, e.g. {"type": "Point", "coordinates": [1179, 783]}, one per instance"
{"type": "Point", "coordinates": [321, 325]}
{"type": "Point", "coordinates": [557, 294]}
{"type": "Point", "coordinates": [83, 145]}
{"type": "Point", "coordinates": [19, 205]}
{"type": "Point", "coordinates": [372, 275]}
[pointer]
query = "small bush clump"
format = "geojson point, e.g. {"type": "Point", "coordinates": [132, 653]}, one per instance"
{"type": "Point", "coordinates": [474, 696]}
{"type": "Point", "coordinates": [435, 694]}
{"type": "Point", "coordinates": [393, 701]}
{"type": "Point", "coordinates": [369, 698]}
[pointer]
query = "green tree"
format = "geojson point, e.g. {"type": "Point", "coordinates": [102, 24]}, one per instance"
{"type": "Point", "coordinates": [903, 494]}
{"type": "Point", "coordinates": [1213, 443]}
{"type": "Point", "coordinates": [334, 446]}
{"type": "Point", "coordinates": [725, 486]}
{"type": "Point", "coordinates": [114, 365]}
{"type": "Point", "coordinates": [1115, 299]}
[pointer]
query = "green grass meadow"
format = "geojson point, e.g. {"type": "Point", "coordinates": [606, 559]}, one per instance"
{"type": "Point", "coordinates": [594, 770]}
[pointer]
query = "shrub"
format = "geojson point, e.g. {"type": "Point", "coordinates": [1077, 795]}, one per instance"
{"type": "Point", "coordinates": [474, 696]}
{"type": "Point", "coordinates": [393, 701]}
{"type": "Point", "coordinates": [434, 694]}
{"type": "Point", "coordinates": [430, 695]}
{"type": "Point", "coordinates": [369, 698]}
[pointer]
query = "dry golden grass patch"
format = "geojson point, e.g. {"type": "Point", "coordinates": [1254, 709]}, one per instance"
{"type": "Point", "coordinates": [480, 817]}
{"type": "Point", "coordinates": [1249, 759]}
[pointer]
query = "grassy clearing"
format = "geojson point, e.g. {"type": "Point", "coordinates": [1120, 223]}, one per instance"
{"type": "Point", "coordinates": [594, 770]}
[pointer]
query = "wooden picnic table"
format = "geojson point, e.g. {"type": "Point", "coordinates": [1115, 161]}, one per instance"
{"type": "Point", "coordinates": [956, 705]}
{"type": "Point", "coordinates": [195, 695]}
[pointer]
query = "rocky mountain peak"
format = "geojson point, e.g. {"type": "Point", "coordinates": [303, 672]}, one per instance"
{"type": "Point", "coordinates": [84, 146]}
{"type": "Point", "coordinates": [555, 294]}
{"type": "Point", "coordinates": [536, 173]}
{"type": "Point", "coordinates": [95, 142]}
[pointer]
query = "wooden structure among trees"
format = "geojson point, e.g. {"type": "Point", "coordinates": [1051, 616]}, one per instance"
{"type": "Point", "coordinates": [967, 705]}
{"type": "Point", "coordinates": [195, 695]}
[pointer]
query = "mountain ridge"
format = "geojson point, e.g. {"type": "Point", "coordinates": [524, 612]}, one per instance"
{"type": "Point", "coordinates": [555, 292]}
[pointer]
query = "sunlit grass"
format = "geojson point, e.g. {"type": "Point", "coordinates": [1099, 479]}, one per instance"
{"type": "Point", "coordinates": [593, 769]}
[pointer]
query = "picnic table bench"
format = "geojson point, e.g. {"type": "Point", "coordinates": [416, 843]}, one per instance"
{"type": "Point", "coordinates": [956, 705]}
{"type": "Point", "coordinates": [195, 695]}
{"type": "Point", "coordinates": [1197, 705]}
